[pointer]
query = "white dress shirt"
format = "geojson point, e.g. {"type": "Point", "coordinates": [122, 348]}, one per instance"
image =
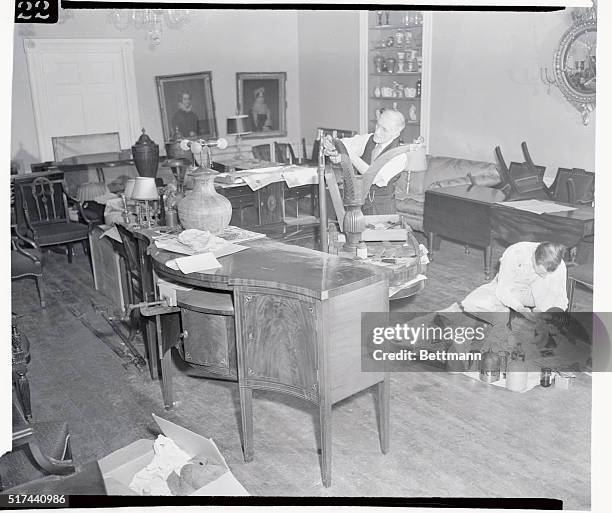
{"type": "Point", "coordinates": [355, 146]}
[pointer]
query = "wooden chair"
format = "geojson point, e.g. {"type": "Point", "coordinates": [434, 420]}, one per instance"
{"type": "Point", "coordinates": [336, 133]}
{"type": "Point", "coordinates": [262, 152]}
{"type": "Point", "coordinates": [581, 274]}
{"type": "Point", "coordinates": [574, 186]}
{"type": "Point", "coordinates": [521, 181]}
{"type": "Point", "coordinates": [133, 275]}
{"type": "Point", "coordinates": [48, 443]}
{"type": "Point", "coordinates": [27, 264]}
{"type": "Point", "coordinates": [41, 209]}
{"type": "Point", "coordinates": [283, 152]}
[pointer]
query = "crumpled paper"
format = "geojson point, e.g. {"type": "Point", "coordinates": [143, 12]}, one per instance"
{"type": "Point", "coordinates": [200, 240]}
{"type": "Point", "coordinates": [168, 458]}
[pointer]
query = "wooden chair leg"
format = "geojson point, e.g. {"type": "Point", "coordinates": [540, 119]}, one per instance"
{"type": "Point", "coordinates": [326, 439]}
{"type": "Point", "coordinates": [23, 392]}
{"type": "Point", "coordinates": [384, 413]}
{"type": "Point", "coordinates": [51, 465]}
{"type": "Point", "coordinates": [246, 416]}
{"type": "Point", "coordinates": [41, 290]}
{"type": "Point", "coordinates": [571, 285]}
{"type": "Point", "coordinates": [69, 251]}
{"type": "Point", "coordinates": [166, 380]}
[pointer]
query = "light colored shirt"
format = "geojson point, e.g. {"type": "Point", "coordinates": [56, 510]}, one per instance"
{"type": "Point", "coordinates": [355, 146]}
{"type": "Point", "coordinates": [518, 285]}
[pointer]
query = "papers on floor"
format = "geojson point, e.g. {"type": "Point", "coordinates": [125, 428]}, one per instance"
{"type": "Point", "coordinates": [538, 206]}
{"type": "Point", "coordinates": [168, 458]}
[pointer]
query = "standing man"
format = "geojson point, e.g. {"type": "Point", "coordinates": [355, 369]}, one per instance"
{"type": "Point", "coordinates": [364, 149]}
{"type": "Point", "coordinates": [185, 119]}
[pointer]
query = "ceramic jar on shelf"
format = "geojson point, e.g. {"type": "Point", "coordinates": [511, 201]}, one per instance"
{"type": "Point", "coordinates": [379, 63]}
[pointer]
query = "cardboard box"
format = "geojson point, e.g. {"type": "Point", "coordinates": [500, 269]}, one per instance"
{"type": "Point", "coordinates": [118, 468]}
{"type": "Point", "coordinates": [391, 234]}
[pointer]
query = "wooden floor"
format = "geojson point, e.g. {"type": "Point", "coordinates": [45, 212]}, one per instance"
{"type": "Point", "coordinates": [450, 436]}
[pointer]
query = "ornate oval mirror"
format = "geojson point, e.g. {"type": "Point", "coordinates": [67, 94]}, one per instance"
{"type": "Point", "coordinates": [575, 64]}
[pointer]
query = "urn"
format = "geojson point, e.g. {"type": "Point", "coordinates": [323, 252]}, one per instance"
{"type": "Point", "coordinates": [146, 156]}
{"type": "Point", "coordinates": [204, 208]}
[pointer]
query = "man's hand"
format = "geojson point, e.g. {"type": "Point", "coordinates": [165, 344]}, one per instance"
{"type": "Point", "coordinates": [330, 150]}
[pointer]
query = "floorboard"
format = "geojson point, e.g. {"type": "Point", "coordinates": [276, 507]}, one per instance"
{"type": "Point", "coordinates": [450, 436]}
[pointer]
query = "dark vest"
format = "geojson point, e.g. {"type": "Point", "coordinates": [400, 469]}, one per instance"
{"type": "Point", "coordinates": [370, 145]}
{"type": "Point", "coordinates": [380, 200]}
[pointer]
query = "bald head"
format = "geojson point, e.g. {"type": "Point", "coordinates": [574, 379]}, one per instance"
{"type": "Point", "coordinates": [389, 125]}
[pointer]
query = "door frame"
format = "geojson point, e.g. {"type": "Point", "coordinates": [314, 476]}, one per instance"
{"type": "Point", "coordinates": [36, 48]}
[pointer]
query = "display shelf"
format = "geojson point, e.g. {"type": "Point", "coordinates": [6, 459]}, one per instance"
{"type": "Point", "coordinates": [405, 74]}
{"type": "Point", "coordinates": [402, 98]}
{"type": "Point", "coordinates": [395, 27]}
{"type": "Point", "coordinates": [412, 42]}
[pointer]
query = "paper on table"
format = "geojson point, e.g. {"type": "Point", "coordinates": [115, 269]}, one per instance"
{"type": "Point", "coordinates": [258, 180]}
{"type": "Point", "coordinates": [300, 175]}
{"type": "Point", "coordinates": [174, 245]}
{"type": "Point", "coordinates": [538, 206]}
{"type": "Point", "coordinates": [195, 263]}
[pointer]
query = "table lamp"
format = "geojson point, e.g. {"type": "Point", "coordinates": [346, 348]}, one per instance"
{"type": "Point", "coordinates": [145, 190]}
{"type": "Point", "coordinates": [236, 125]}
{"type": "Point", "coordinates": [417, 158]}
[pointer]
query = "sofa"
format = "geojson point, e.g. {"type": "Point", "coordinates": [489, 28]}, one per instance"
{"type": "Point", "coordinates": [441, 172]}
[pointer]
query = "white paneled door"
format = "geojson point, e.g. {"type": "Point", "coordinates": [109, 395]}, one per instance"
{"type": "Point", "coordinates": [82, 86]}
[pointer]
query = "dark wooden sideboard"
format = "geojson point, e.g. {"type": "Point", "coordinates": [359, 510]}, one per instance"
{"type": "Point", "coordinates": [297, 333]}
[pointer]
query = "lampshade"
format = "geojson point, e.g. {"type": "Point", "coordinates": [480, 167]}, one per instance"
{"type": "Point", "coordinates": [91, 190]}
{"type": "Point", "coordinates": [417, 158]}
{"type": "Point", "coordinates": [129, 188]}
{"type": "Point", "coordinates": [145, 188]}
{"type": "Point", "coordinates": [236, 125]}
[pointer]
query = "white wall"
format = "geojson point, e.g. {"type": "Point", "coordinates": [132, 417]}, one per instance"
{"type": "Point", "coordinates": [328, 47]}
{"type": "Point", "coordinates": [224, 42]}
{"type": "Point", "coordinates": [486, 91]}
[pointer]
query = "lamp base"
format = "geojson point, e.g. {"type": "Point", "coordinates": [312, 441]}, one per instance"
{"type": "Point", "coordinates": [238, 154]}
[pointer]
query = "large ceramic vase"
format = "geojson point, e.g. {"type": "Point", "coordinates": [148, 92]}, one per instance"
{"type": "Point", "coordinates": [204, 208]}
{"type": "Point", "coordinates": [146, 156]}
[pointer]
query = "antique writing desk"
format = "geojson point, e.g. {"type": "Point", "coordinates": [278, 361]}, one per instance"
{"type": "Point", "coordinates": [271, 204]}
{"type": "Point", "coordinates": [510, 225]}
{"type": "Point", "coordinates": [298, 327]}
{"type": "Point", "coordinates": [462, 213]}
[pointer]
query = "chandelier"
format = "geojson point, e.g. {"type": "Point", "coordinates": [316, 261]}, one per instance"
{"type": "Point", "coordinates": [151, 20]}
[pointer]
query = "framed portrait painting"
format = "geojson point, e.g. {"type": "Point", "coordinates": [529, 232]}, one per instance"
{"type": "Point", "coordinates": [187, 105]}
{"type": "Point", "coordinates": [261, 96]}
